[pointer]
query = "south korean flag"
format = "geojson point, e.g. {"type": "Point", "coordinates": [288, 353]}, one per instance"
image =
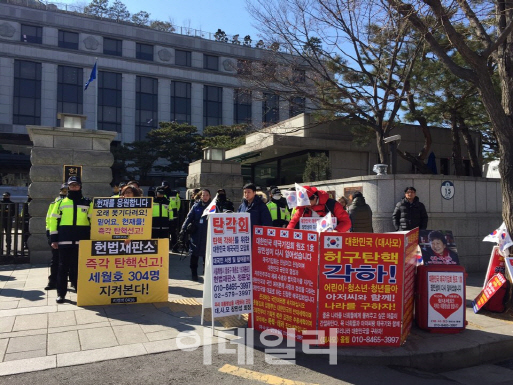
{"type": "Point", "coordinates": [259, 231]}
{"type": "Point", "coordinates": [271, 232]}
{"type": "Point", "coordinates": [333, 242]}
{"type": "Point", "coordinates": [284, 233]}
{"type": "Point", "coordinates": [298, 235]}
{"type": "Point", "coordinates": [312, 237]}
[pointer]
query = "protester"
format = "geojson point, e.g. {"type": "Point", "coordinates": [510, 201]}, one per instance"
{"type": "Point", "coordinates": [195, 197]}
{"type": "Point", "coordinates": [196, 224]}
{"type": "Point", "coordinates": [135, 184]}
{"type": "Point", "coordinates": [344, 202]}
{"type": "Point", "coordinates": [320, 205]}
{"type": "Point", "coordinates": [438, 253]}
{"type": "Point", "coordinates": [130, 191]}
{"type": "Point", "coordinates": [253, 204]}
{"type": "Point", "coordinates": [360, 214]}
{"type": "Point", "coordinates": [69, 224]}
{"type": "Point", "coordinates": [277, 206]}
{"type": "Point", "coordinates": [262, 195]}
{"type": "Point", "coordinates": [410, 212]}
{"type": "Point", "coordinates": [223, 204]}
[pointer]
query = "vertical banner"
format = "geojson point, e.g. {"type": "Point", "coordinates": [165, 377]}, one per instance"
{"type": "Point", "coordinates": [285, 274]}
{"type": "Point", "coordinates": [121, 218]}
{"type": "Point", "coordinates": [362, 286]}
{"type": "Point", "coordinates": [491, 287]}
{"type": "Point", "coordinates": [411, 257]}
{"type": "Point", "coordinates": [228, 288]}
{"type": "Point", "coordinates": [446, 293]}
{"type": "Point", "coordinates": [111, 272]}
{"type": "Point", "coordinates": [496, 265]}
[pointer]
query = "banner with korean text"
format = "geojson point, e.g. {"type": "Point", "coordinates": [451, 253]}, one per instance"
{"type": "Point", "coordinates": [117, 271]}
{"type": "Point", "coordinates": [366, 286]}
{"type": "Point", "coordinates": [121, 218]}
{"type": "Point", "coordinates": [285, 276]}
{"type": "Point", "coordinates": [228, 286]}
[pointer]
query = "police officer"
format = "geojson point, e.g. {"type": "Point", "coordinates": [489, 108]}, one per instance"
{"type": "Point", "coordinates": [162, 214]}
{"type": "Point", "coordinates": [54, 264]}
{"type": "Point", "coordinates": [69, 224]}
{"type": "Point", "coordinates": [278, 208]}
{"type": "Point", "coordinates": [7, 214]}
{"type": "Point", "coordinates": [174, 205]}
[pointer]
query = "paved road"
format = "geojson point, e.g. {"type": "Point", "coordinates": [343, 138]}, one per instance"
{"type": "Point", "coordinates": [179, 367]}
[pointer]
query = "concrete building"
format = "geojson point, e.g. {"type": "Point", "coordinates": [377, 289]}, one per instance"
{"type": "Point", "coordinates": [145, 76]}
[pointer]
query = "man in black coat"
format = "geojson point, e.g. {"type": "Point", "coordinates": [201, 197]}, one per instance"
{"type": "Point", "coordinates": [410, 212]}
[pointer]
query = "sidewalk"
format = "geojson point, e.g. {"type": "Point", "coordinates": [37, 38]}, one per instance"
{"type": "Point", "coordinates": [37, 334]}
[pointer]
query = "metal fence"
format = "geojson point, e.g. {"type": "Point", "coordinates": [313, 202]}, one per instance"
{"type": "Point", "coordinates": [14, 226]}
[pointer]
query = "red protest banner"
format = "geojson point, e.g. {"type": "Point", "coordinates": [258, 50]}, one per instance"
{"type": "Point", "coordinates": [285, 276]}
{"type": "Point", "coordinates": [366, 286]}
{"type": "Point", "coordinates": [488, 291]}
{"type": "Point", "coordinates": [496, 265]}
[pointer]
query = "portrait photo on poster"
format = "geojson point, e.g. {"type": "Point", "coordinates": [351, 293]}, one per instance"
{"type": "Point", "coordinates": [438, 247]}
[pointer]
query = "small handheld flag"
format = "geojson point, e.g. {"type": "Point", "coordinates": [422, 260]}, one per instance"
{"type": "Point", "coordinates": [91, 77]}
{"type": "Point", "coordinates": [302, 196]}
{"type": "Point", "coordinates": [211, 208]}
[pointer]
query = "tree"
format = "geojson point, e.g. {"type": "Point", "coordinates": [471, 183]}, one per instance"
{"type": "Point", "coordinates": [134, 161]}
{"type": "Point", "coordinates": [98, 8]}
{"type": "Point", "coordinates": [317, 167]}
{"type": "Point", "coordinates": [178, 144]}
{"type": "Point", "coordinates": [165, 26]}
{"type": "Point", "coordinates": [496, 48]}
{"type": "Point", "coordinates": [118, 11]}
{"type": "Point", "coordinates": [226, 137]}
{"type": "Point", "coordinates": [141, 18]}
{"type": "Point", "coordinates": [356, 63]}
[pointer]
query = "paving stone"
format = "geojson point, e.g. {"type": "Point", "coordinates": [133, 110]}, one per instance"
{"type": "Point", "coordinates": [90, 316]}
{"type": "Point", "coordinates": [6, 324]}
{"type": "Point", "coordinates": [96, 355]}
{"type": "Point", "coordinates": [3, 347]}
{"type": "Point", "coordinates": [61, 329]}
{"type": "Point", "coordinates": [33, 321]}
{"type": "Point", "coordinates": [27, 365]}
{"type": "Point", "coordinates": [63, 342]}
{"type": "Point", "coordinates": [97, 338]}
{"type": "Point", "coordinates": [129, 334]}
{"type": "Point", "coordinates": [9, 305]}
{"type": "Point", "coordinates": [25, 355]}
{"type": "Point", "coordinates": [63, 318]}
{"type": "Point", "coordinates": [24, 344]}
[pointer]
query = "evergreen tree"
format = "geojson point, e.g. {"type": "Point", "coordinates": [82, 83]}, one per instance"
{"type": "Point", "coordinates": [118, 11]}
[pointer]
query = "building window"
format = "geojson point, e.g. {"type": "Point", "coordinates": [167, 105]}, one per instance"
{"type": "Point", "coordinates": [211, 62]}
{"type": "Point", "coordinates": [112, 47]}
{"type": "Point", "coordinates": [68, 39]}
{"type": "Point", "coordinates": [271, 108]}
{"type": "Point", "coordinates": [182, 58]}
{"type": "Point", "coordinates": [70, 89]}
{"type": "Point", "coordinates": [27, 92]}
{"type": "Point", "coordinates": [297, 106]}
{"type": "Point", "coordinates": [212, 106]}
{"type": "Point", "coordinates": [109, 101]}
{"type": "Point", "coordinates": [31, 34]}
{"type": "Point", "coordinates": [147, 106]}
{"type": "Point", "coordinates": [144, 51]}
{"type": "Point", "coordinates": [241, 106]}
{"type": "Point", "coordinates": [181, 102]}
{"type": "Point", "coordinates": [243, 67]}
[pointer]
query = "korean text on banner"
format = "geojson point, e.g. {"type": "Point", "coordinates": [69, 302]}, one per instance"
{"type": "Point", "coordinates": [111, 272]}
{"type": "Point", "coordinates": [121, 218]}
{"type": "Point", "coordinates": [230, 254]}
{"type": "Point", "coordinates": [491, 287]}
{"type": "Point", "coordinates": [285, 276]}
{"type": "Point", "coordinates": [366, 286]}
{"type": "Point", "coordinates": [446, 293]}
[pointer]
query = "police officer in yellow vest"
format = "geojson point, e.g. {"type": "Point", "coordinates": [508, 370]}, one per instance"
{"type": "Point", "coordinates": [162, 214]}
{"type": "Point", "coordinates": [278, 208]}
{"type": "Point", "coordinates": [54, 264]}
{"type": "Point", "coordinates": [174, 205]}
{"type": "Point", "coordinates": [69, 224]}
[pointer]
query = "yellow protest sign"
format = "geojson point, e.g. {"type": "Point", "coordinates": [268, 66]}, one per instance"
{"type": "Point", "coordinates": [111, 272]}
{"type": "Point", "coordinates": [121, 218]}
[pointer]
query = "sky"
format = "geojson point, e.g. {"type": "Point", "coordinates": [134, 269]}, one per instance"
{"type": "Point", "coordinates": [207, 15]}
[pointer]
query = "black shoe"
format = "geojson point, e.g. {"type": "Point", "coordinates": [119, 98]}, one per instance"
{"type": "Point", "coordinates": [195, 278]}
{"type": "Point", "coordinates": [59, 299]}
{"type": "Point", "coordinates": [51, 286]}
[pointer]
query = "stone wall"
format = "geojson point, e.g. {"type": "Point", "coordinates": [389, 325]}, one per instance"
{"type": "Point", "coordinates": [473, 212]}
{"type": "Point", "coordinates": [53, 148]}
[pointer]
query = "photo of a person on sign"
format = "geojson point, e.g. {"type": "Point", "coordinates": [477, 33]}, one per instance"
{"type": "Point", "coordinates": [437, 252]}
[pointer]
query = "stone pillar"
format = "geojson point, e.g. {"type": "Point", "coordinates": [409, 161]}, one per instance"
{"type": "Point", "coordinates": [53, 148]}
{"type": "Point", "coordinates": [216, 174]}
